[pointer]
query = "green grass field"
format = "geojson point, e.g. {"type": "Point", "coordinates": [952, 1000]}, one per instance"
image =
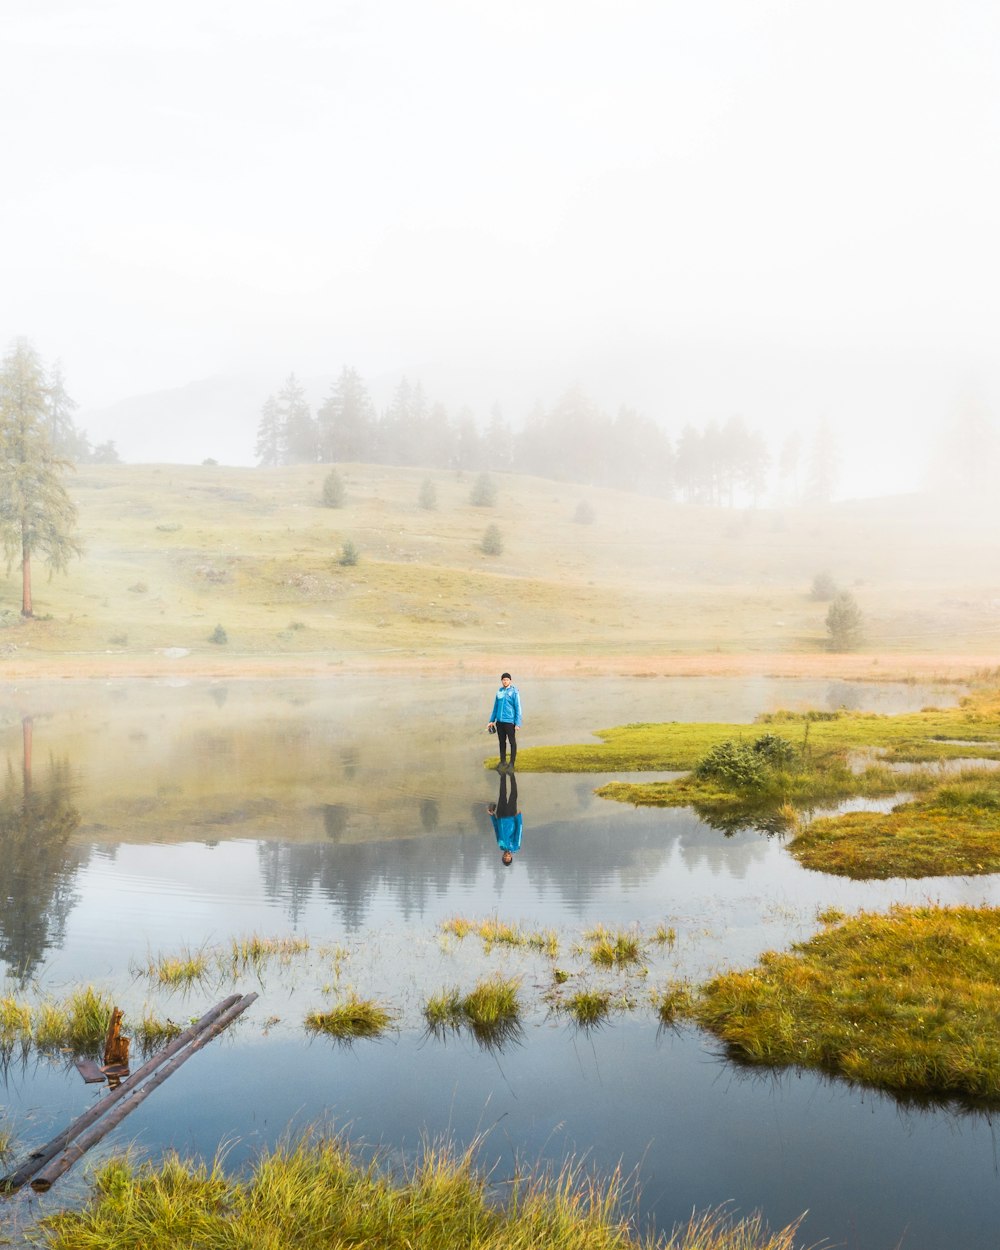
{"type": "Point", "coordinates": [172, 552]}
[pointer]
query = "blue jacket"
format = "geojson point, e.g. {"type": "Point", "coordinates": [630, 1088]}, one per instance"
{"type": "Point", "coordinates": [507, 706]}
{"type": "Point", "coordinates": [508, 831]}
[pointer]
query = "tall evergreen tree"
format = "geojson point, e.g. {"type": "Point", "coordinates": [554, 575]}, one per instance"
{"type": "Point", "coordinates": [270, 450]}
{"type": "Point", "coordinates": [36, 513]}
{"type": "Point", "coordinates": [67, 441]}
{"type": "Point", "coordinates": [301, 436]}
{"type": "Point", "coordinates": [346, 421]}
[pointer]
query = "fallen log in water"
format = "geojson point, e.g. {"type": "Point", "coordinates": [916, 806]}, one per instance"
{"type": "Point", "coordinates": [40, 1157]}
{"type": "Point", "coordinates": [133, 1096]}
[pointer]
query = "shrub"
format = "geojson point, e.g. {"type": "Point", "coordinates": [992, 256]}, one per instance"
{"type": "Point", "coordinates": [740, 765]}
{"type": "Point", "coordinates": [844, 622]}
{"type": "Point", "coordinates": [428, 495]}
{"type": "Point", "coordinates": [349, 554]}
{"type": "Point", "coordinates": [584, 514]}
{"type": "Point", "coordinates": [218, 636]}
{"type": "Point", "coordinates": [492, 541]}
{"type": "Point", "coordinates": [484, 492]}
{"type": "Point", "coordinates": [333, 490]}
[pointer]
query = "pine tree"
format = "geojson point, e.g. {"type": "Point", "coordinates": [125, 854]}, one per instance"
{"type": "Point", "coordinates": [270, 449]}
{"type": "Point", "coordinates": [300, 433]}
{"type": "Point", "coordinates": [36, 513]}
{"type": "Point", "coordinates": [346, 421]}
{"type": "Point", "coordinates": [67, 441]}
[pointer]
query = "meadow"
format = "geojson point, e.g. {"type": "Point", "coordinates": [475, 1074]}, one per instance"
{"type": "Point", "coordinates": [176, 556]}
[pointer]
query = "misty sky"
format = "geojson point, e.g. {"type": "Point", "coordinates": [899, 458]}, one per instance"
{"type": "Point", "coordinates": [786, 211]}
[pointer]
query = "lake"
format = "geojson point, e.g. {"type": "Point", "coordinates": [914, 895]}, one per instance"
{"type": "Point", "coordinates": [351, 812]}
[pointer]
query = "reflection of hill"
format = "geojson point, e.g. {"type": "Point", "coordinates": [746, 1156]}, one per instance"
{"type": "Point", "coordinates": [571, 860]}
{"type": "Point", "coordinates": [37, 864]}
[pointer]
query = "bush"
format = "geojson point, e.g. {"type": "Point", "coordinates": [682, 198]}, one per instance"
{"type": "Point", "coordinates": [492, 542]}
{"type": "Point", "coordinates": [484, 492]}
{"type": "Point", "coordinates": [584, 514]}
{"type": "Point", "coordinates": [218, 636]}
{"type": "Point", "coordinates": [823, 588]}
{"type": "Point", "coordinates": [844, 622]}
{"type": "Point", "coordinates": [740, 765]}
{"type": "Point", "coordinates": [349, 554]}
{"type": "Point", "coordinates": [333, 490]}
{"type": "Point", "coordinates": [428, 497]}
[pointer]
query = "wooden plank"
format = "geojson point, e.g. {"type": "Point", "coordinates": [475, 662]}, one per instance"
{"type": "Point", "coordinates": [90, 1072]}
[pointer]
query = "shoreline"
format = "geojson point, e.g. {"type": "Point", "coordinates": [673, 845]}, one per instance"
{"type": "Point", "coordinates": [926, 666]}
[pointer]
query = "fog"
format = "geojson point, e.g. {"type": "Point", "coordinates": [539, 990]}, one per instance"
{"type": "Point", "coordinates": [745, 208]}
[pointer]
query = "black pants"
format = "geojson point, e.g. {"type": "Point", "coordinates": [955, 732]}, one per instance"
{"type": "Point", "coordinates": [507, 805]}
{"type": "Point", "coordinates": [506, 730]}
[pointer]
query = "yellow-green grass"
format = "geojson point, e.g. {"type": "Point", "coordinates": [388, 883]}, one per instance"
{"type": "Point", "coordinates": [491, 1009]}
{"type": "Point", "coordinates": [588, 1007]}
{"type": "Point", "coordinates": [674, 1002]}
{"type": "Point", "coordinates": [150, 1032]}
{"type": "Point", "coordinates": [617, 949]}
{"type": "Point", "coordinates": [952, 831]}
{"type": "Point", "coordinates": [15, 1022]}
{"type": "Point", "coordinates": [352, 1017]}
{"type": "Point", "coordinates": [493, 932]}
{"type": "Point", "coordinates": [824, 741]}
{"type": "Point", "coordinates": [178, 971]}
{"type": "Point", "coordinates": [78, 1023]}
{"type": "Point", "coordinates": [171, 551]}
{"type": "Point", "coordinates": [906, 1002]}
{"type": "Point", "coordinates": [314, 1195]}
{"type": "Point", "coordinates": [255, 951]}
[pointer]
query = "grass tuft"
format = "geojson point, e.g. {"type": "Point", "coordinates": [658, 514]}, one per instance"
{"type": "Point", "coordinates": [188, 968]}
{"type": "Point", "coordinates": [351, 1018]}
{"type": "Point", "coordinates": [613, 950]}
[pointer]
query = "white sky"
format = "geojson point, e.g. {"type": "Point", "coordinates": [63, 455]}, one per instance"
{"type": "Point", "coordinates": [575, 186]}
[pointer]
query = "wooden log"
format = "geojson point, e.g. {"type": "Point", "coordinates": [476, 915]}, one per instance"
{"type": "Point", "coordinates": [115, 1045]}
{"type": "Point", "coordinates": [38, 1158]}
{"type": "Point", "coordinates": [134, 1095]}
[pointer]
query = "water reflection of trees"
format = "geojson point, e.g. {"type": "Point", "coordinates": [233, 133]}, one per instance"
{"type": "Point", "coordinates": [573, 861]}
{"type": "Point", "coordinates": [37, 866]}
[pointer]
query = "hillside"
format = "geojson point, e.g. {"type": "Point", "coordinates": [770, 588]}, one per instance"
{"type": "Point", "coordinates": [172, 552]}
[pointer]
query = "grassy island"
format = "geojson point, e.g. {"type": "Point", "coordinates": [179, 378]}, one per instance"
{"type": "Point", "coordinates": [906, 1002]}
{"type": "Point", "coordinates": [774, 773]}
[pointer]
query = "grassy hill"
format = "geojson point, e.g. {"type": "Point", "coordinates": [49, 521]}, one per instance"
{"type": "Point", "coordinates": [172, 552]}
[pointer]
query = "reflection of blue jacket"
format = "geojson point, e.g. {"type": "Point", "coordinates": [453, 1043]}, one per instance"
{"type": "Point", "coordinates": [508, 831]}
{"type": "Point", "coordinates": [507, 706]}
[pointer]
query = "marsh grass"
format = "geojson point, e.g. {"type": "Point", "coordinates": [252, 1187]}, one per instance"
{"type": "Point", "coordinates": [79, 1023]}
{"type": "Point", "coordinates": [906, 1002]}
{"type": "Point", "coordinates": [954, 830]}
{"type": "Point", "coordinates": [15, 1023]}
{"type": "Point", "coordinates": [494, 932]}
{"type": "Point", "coordinates": [674, 1002]}
{"type": "Point", "coordinates": [178, 971]}
{"type": "Point", "coordinates": [313, 1195]}
{"type": "Point", "coordinates": [255, 952]}
{"type": "Point", "coordinates": [613, 949]}
{"type": "Point", "coordinates": [589, 1007]}
{"type": "Point", "coordinates": [151, 1032]}
{"type": "Point", "coordinates": [491, 1010]}
{"type": "Point", "coordinates": [351, 1018]}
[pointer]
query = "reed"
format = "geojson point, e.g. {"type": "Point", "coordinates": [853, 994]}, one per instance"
{"type": "Point", "coordinates": [177, 971]}
{"type": "Point", "coordinates": [613, 950]}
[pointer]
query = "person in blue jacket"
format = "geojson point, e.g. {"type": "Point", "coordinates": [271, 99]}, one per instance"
{"type": "Point", "coordinates": [508, 824]}
{"type": "Point", "coordinates": [505, 719]}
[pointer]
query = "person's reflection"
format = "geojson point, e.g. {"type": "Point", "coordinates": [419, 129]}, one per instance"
{"type": "Point", "coordinates": [508, 824]}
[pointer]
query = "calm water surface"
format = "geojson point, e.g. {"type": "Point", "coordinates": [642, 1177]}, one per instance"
{"type": "Point", "coordinates": [142, 818]}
